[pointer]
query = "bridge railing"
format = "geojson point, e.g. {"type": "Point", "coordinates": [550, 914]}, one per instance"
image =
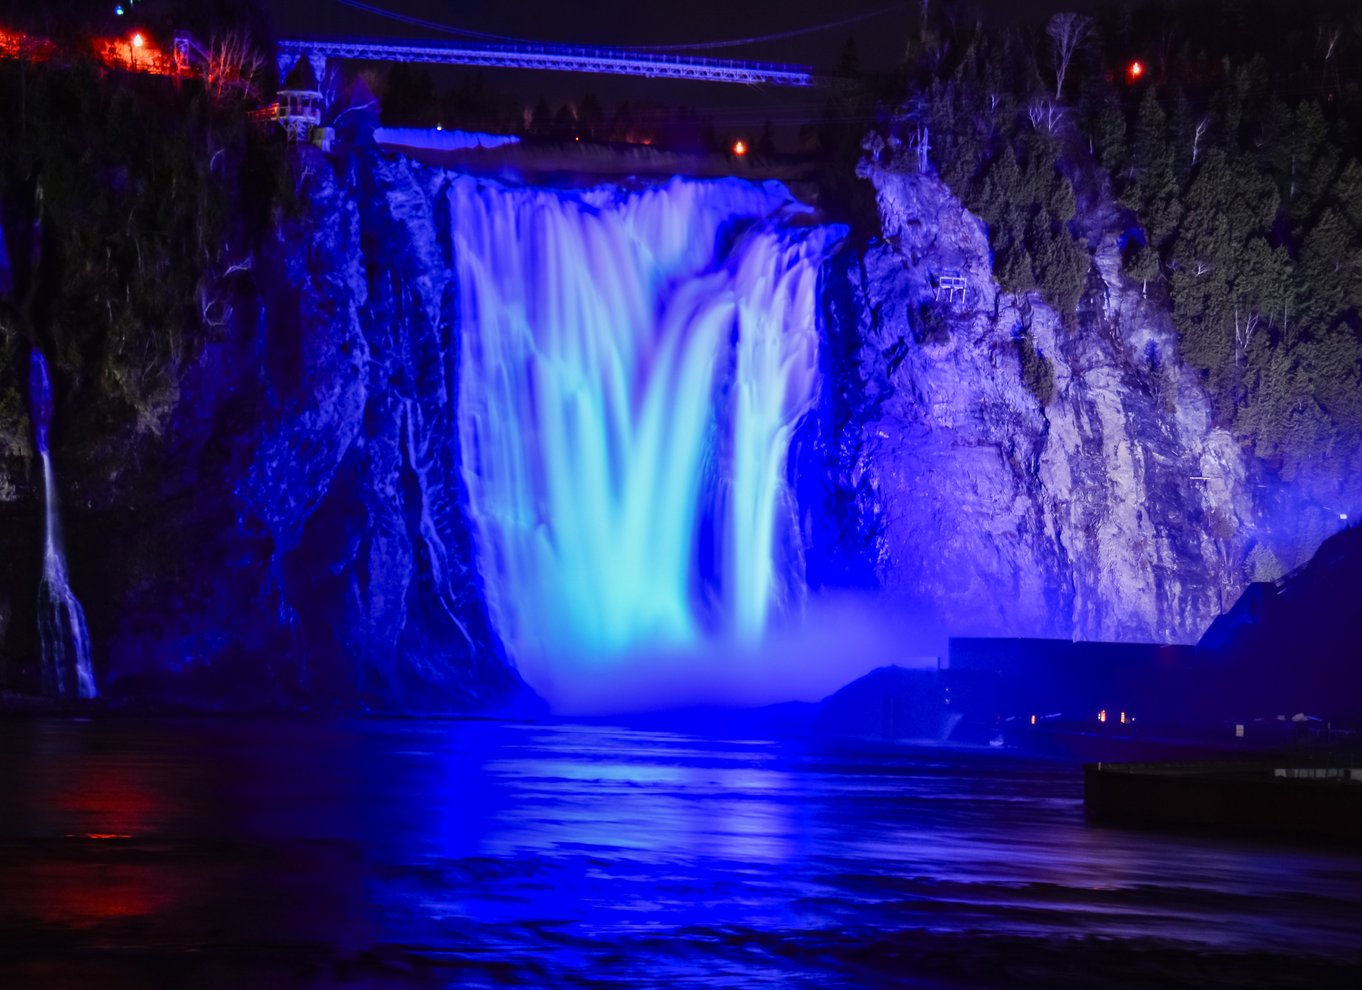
{"type": "Point", "coordinates": [580, 57]}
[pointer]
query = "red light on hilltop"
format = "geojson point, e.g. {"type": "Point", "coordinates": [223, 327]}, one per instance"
{"type": "Point", "coordinates": [1134, 70]}
{"type": "Point", "coordinates": [739, 148]}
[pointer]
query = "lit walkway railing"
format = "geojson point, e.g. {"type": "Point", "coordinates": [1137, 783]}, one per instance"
{"type": "Point", "coordinates": [613, 61]}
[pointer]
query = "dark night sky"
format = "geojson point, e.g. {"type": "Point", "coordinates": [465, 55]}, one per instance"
{"type": "Point", "coordinates": [628, 22]}
{"type": "Point", "coordinates": [880, 41]}
{"type": "Point", "coordinates": [644, 22]}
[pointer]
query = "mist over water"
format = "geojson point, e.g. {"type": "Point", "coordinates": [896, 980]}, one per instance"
{"type": "Point", "coordinates": [633, 367]}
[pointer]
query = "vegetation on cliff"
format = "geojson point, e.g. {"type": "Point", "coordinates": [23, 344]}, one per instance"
{"type": "Point", "coordinates": [141, 202]}
{"type": "Point", "coordinates": [1230, 169]}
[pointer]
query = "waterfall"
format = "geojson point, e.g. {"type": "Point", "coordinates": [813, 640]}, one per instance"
{"type": "Point", "coordinates": [633, 366]}
{"type": "Point", "coordinates": [66, 668]}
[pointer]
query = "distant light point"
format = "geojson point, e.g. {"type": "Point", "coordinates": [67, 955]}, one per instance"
{"type": "Point", "coordinates": [138, 41]}
{"type": "Point", "coordinates": [1135, 70]}
{"type": "Point", "coordinates": [739, 148]}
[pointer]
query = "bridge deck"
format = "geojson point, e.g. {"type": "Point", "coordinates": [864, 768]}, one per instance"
{"type": "Point", "coordinates": [613, 61]}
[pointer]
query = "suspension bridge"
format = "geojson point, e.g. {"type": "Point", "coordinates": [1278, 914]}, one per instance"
{"type": "Point", "coordinates": [611, 61]}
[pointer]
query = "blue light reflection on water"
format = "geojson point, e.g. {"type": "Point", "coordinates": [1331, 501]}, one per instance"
{"type": "Point", "coordinates": [550, 854]}
{"type": "Point", "coordinates": [617, 829]}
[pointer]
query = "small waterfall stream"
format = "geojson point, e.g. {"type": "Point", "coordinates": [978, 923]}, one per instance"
{"type": "Point", "coordinates": [66, 668]}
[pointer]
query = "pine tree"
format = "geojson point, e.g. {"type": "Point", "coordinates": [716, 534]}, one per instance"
{"type": "Point", "coordinates": [541, 119]}
{"type": "Point", "coordinates": [591, 117]}
{"type": "Point", "coordinates": [849, 65]}
{"type": "Point", "coordinates": [1315, 164]}
{"type": "Point", "coordinates": [1153, 192]}
{"type": "Point", "coordinates": [1110, 138]}
{"type": "Point", "coordinates": [1346, 194]}
{"type": "Point", "coordinates": [1325, 279]}
{"type": "Point", "coordinates": [766, 143]}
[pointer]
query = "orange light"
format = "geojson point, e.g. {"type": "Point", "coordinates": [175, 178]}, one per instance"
{"type": "Point", "coordinates": [1102, 715]}
{"type": "Point", "coordinates": [138, 41]}
{"type": "Point", "coordinates": [739, 148]}
{"type": "Point", "coordinates": [1033, 720]}
{"type": "Point", "coordinates": [1134, 70]}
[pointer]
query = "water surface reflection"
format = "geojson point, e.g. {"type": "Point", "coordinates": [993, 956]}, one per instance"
{"type": "Point", "coordinates": [475, 853]}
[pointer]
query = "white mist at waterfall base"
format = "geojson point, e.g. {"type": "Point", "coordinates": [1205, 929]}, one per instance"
{"type": "Point", "coordinates": [634, 364]}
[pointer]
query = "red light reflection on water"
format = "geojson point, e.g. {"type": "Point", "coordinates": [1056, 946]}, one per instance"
{"type": "Point", "coordinates": [85, 893]}
{"type": "Point", "coordinates": [101, 800]}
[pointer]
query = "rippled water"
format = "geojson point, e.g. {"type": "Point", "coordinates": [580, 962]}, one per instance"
{"type": "Point", "coordinates": [244, 852]}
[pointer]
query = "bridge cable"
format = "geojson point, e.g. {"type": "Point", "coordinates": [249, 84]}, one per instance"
{"type": "Point", "coordinates": [758, 39]}
{"type": "Point", "coordinates": [433, 25]}
{"type": "Point", "coordinates": [691, 46]}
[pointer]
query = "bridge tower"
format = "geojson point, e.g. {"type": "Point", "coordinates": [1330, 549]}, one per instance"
{"type": "Point", "coordinates": [300, 100]}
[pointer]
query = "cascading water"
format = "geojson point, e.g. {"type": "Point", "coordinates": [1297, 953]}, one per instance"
{"type": "Point", "coordinates": [633, 367]}
{"type": "Point", "coordinates": [66, 669]}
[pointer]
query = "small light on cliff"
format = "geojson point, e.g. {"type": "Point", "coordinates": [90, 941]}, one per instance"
{"type": "Point", "coordinates": [138, 41]}
{"type": "Point", "coordinates": [739, 148]}
{"type": "Point", "coordinates": [1134, 70]}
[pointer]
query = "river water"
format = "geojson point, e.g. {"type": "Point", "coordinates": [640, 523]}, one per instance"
{"type": "Point", "coordinates": [236, 852]}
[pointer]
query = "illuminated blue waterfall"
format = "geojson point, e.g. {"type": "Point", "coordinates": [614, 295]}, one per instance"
{"type": "Point", "coordinates": [633, 367]}
{"type": "Point", "coordinates": [66, 668]}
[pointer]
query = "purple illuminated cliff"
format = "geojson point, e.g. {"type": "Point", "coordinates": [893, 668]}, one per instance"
{"type": "Point", "coordinates": [462, 430]}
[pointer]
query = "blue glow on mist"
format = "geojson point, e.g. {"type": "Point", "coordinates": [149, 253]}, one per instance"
{"type": "Point", "coordinates": [633, 367]}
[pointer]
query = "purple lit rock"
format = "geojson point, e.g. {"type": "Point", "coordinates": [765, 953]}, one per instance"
{"type": "Point", "coordinates": [1114, 512]}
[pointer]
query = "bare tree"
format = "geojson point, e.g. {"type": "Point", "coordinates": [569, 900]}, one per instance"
{"type": "Point", "coordinates": [1045, 115]}
{"type": "Point", "coordinates": [1067, 31]}
{"type": "Point", "coordinates": [1244, 327]}
{"type": "Point", "coordinates": [232, 67]}
{"type": "Point", "coordinates": [1201, 126]}
{"type": "Point", "coordinates": [1328, 37]}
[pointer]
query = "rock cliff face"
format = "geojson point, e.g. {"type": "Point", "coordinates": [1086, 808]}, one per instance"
{"type": "Point", "coordinates": [294, 537]}
{"type": "Point", "coordinates": [296, 534]}
{"type": "Point", "coordinates": [1017, 474]}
